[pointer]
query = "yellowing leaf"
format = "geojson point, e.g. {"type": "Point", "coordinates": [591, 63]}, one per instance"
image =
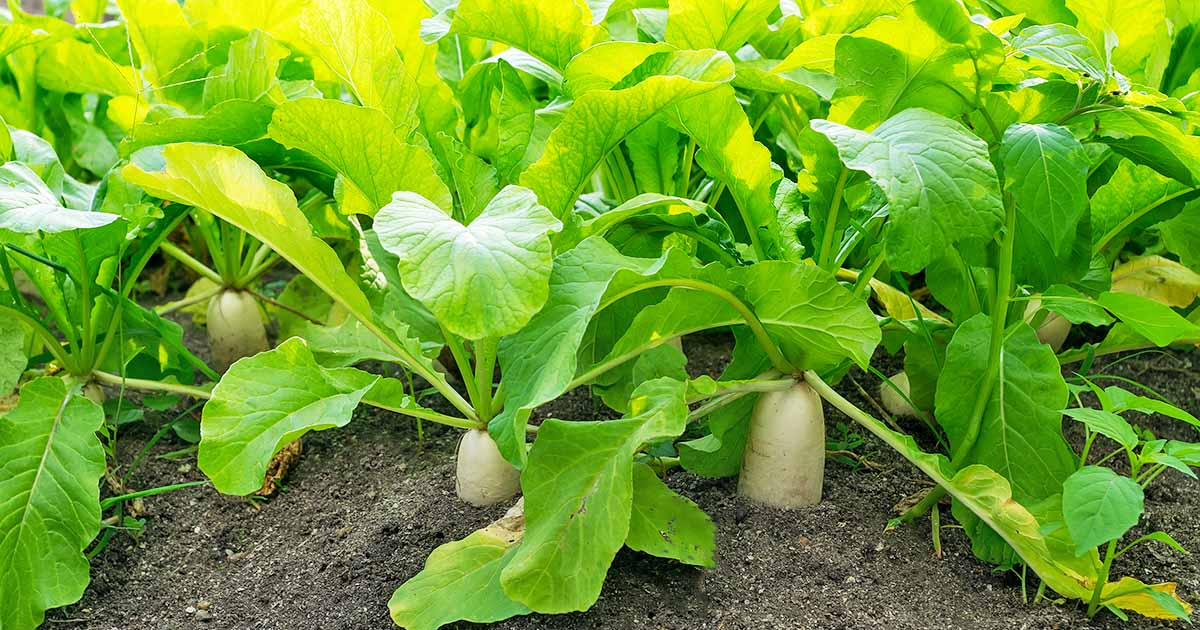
{"type": "Point", "coordinates": [1159, 279]}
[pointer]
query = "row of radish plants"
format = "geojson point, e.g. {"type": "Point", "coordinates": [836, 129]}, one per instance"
{"type": "Point", "coordinates": [500, 201]}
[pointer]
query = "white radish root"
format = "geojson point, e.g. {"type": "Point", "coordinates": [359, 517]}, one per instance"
{"type": "Point", "coordinates": [1054, 328]}
{"type": "Point", "coordinates": [94, 393]}
{"type": "Point", "coordinates": [235, 328]}
{"type": "Point", "coordinates": [483, 476]}
{"type": "Point", "coordinates": [896, 404]}
{"type": "Point", "coordinates": [784, 461]}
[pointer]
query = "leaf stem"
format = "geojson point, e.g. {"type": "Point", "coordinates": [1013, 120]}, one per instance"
{"type": "Point", "coordinates": [186, 259]}
{"type": "Point", "coordinates": [1102, 579]}
{"type": "Point", "coordinates": [151, 386]}
{"type": "Point", "coordinates": [835, 205]}
{"type": "Point", "coordinates": [427, 414]}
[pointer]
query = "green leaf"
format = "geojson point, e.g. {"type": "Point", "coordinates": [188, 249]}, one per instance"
{"type": "Point", "coordinates": [1021, 432]}
{"type": "Point", "coordinates": [484, 279]}
{"type": "Point", "coordinates": [1147, 137]}
{"type": "Point", "coordinates": [930, 56]}
{"type": "Point", "coordinates": [578, 488]}
{"type": "Point", "coordinates": [264, 403]}
{"type": "Point", "coordinates": [668, 525]}
{"type": "Point", "coordinates": [1138, 29]}
{"type": "Point", "coordinates": [818, 322]}
{"type": "Point", "coordinates": [1106, 423]}
{"type": "Point", "coordinates": [355, 141]}
{"type": "Point", "coordinates": [346, 344]}
{"type": "Point", "coordinates": [1136, 196]}
{"type": "Point", "coordinates": [28, 206]}
{"type": "Point", "coordinates": [539, 361]}
{"type": "Point", "coordinates": [1123, 400]}
{"type": "Point", "coordinates": [250, 74]}
{"type": "Point", "coordinates": [231, 123]}
{"type": "Point", "coordinates": [170, 51]}
{"type": "Point", "coordinates": [1154, 321]}
{"type": "Point", "coordinates": [1181, 235]}
{"type": "Point", "coordinates": [1099, 505]}
{"type": "Point", "coordinates": [554, 31]}
{"type": "Point", "coordinates": [12, 355]}
{"type": "Point", "coordinates": [721, 24]}
{"type": "Point", "coordinates": [924, 163]}
{"type": "Point", "coordinates": [51, 463]}
{"type": "Point", "coordinates": [598, 120]}
{"type": "Point", "coordinates": [1045, 170]}
{"type": "Point", "coordinates": [461, 581]}
{"type": "Point", "coordinates": [1076, 307]}
{"type": "Point", "coordinates": [225, 182]}
{"type": "Point", "coordinates": [1064, 46]}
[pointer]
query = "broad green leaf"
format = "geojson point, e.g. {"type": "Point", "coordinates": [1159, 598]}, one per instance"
{"type": "Point", "coordinates": [1020, 436]}
{"type": "Point", "coordinates": [484, 279]}
{"type": "Point", "coordinates": [1135, 196]}
{"type": "Point", "coordinates": [51, 463]}
{"type": "Point", "coordinates": [267, 401]}
{"type": "Point", "coordinates": [1137, 28]}
{"type": "Point", "coordinates": [822, 19]}
{"type": "Point", "coordinates": [346, 344]}
{"type": "Point", "coordinates": [988, 496]}
{"type": "Point", "coordinates": [554, 31]}
{"type": "Point", "coordinates": [1147, 137]}
{"type": "Point", "coordinates": [170, 51]}
{"type": "Point", "coordinates": [355, 43]}
{"type": "Point", "coordinates": [1076, 307]}
{"type": "Point", "coordinates": [539, 361]}
{"type": "Point", "coordinates": [1064, 46]}
{"type": "Point", "coordinates": [12, 355]}
{"type": "Point", "coordinates": [1154, 321]}
{"type": "Point", "coordinates": [668, 525]}
{"type": "Point", "coordinates": [225, 182]}
{"type": "Point", "coordinates": [925, 164]}
{"type": "Point", "coordinates": [578, 229]}
{"type": "Point", "coordinates": [729, 153]}
{"type": "Point", "coordinates": [69, 65]}
{"type": "Point", "coordinates": [600, 119]}
{"type": "Point", "coordinates": [1106, 423]}
{"type": "Point", "coordinates": [578, 488]}
{"type": "Point", "coordinates": [930, 56]}
{"type": "Point", "coordinates": [1181, 235]}
{"type": "Point", "coordinates": [250, 73]}
{"type": "Point", "coordinates": [279, 18]}
{"type": "Point", "coordinates": [1045, 170]}
{"type": "Point", "coordinates": [721, 24]}
{"type": "Point", "coordinates": [461, 580]}
{"type": "Point", "coordinates": [355, 141]}
{"type": "Point", "coordinates": [28, 206]}
{"type": "Point", "coordinates": [818, 322]}
{"type": "Point", "coordinates": [231, 123]}
{"type": "Point", "coordinates": [1099, 505]}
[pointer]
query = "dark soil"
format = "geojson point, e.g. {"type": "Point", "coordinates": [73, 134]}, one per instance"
{"type": "Point", "coordinates": [367, 503]}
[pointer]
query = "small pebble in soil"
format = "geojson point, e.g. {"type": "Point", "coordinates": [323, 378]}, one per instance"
{"type": "Point", "coordinates": [191, 610]}
{"type": "Point", "coordinates": [203, 616]}
{"type": "Point", "coordinates": [203, 605]}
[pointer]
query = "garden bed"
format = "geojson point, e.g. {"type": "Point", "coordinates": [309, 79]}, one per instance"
{"type": "Point", "coordinates": [367, 504]}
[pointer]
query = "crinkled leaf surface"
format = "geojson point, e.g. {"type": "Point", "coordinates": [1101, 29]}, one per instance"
{"type": "Point", "coordinates": [578, 488]}
{"type": "Point", "coordinates": [940, 183]}
{"type": "Point", "coordinates": [1064, 46]}
{"type": "Point", "coordinates": [483, 279]}
{"type": "Point", "coordinates": [51, 462]}
{"type": "Point", "coordinates": [265, 402]}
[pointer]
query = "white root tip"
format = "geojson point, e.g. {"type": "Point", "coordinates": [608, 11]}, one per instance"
{"type": "Point", "coordinates": [896, 404]}
{"type": "Point", "coordinates": [235, 328]}
{"type": "Point", "coordinates": [483, 476]}
{"type": "Point", "coordinates": [784, 461]}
